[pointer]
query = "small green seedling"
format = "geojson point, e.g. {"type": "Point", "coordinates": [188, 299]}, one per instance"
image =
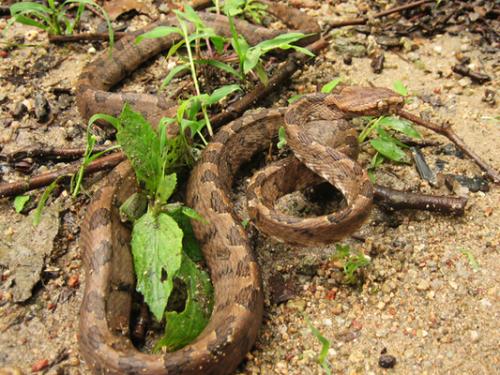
{"type": "Point", "coordinates": [471, 259]}
{"type": "Point", "coordinates": [386, 145]}
{"type": "Point", "coordinates": [351, 261]}
{"type": "Point", "coordinates": [37, 216]}
{"type": "Point", "coordinates": [325, 346]}
{"type": "Point", "coordinates": [54, 18]}
{"type": "Point", "coordinates": [20, 202]}
{"type": "Point", "coordinates": [328, 88]}
{"type": "Point", "coordinates": [281, 137]}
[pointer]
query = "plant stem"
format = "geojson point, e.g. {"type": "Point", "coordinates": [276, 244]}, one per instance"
{"type": "Point", "coordinates": [193, 74]}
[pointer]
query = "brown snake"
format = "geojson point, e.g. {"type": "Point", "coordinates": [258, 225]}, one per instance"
{"type": "Point", "coordinates": [234, 272]}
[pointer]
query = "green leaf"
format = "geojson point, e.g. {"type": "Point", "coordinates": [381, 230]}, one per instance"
{"type": "Point", "coordinates": [20, 201]}
{"type": "Point", "coordinates": [157, 251]}
{"type": "Point", "coordinates": [166, 187]}
{"type": "Point", "coordinates": [158, 32]}
{"type": "Point", "coordinates": [400, 125]}
{"type": "Point", "coordinates": [221, 93]}
{"type": "Point", "coordinates": [294, 98]}
{"type": "Point", "coordinates": [472, 260]}
{"type": "Point", "coordinates": [281, 41]}
{"type": "Point", "coordinates": [37, 215]}
{"type": "Point", "coordinates": [389, 149]}
{"type": "Point", "coordinates": [193, 214]}
{"type": "Point", "coordinates": [141, 145]}
{"type": "Point", "coordinates": [172, 73]}
{"type": "Point", "coordinates": [326, 89]}
{"type": "Point", "coordinates": [190, 245]}
{"type": "Point", "coordinates": [233, 7]}
{"type": "Point", "coordinates": [183, 327]}
{"type": "Point", "coordinates": [325, 346]}
{"type": "Point", "coordinates": [134, 207]}
{"type": "Point", "coordinates": [251, 59]}
{"type": "Point", "coordinates": [281, 137]}
{"type": "Point", "coordinates": [220, 65]}
{"type": "Point", "coordinates": [400, 88]}
{"type": "Point", "coordinates": [261, 73]}
{"type": "Point", "coordinates": [190, 15]}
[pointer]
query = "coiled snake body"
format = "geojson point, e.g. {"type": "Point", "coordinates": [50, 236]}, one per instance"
{"type": "Point", "coordinates": [105, 241]}
{"type": "Point", "coordinates": [235, 274]}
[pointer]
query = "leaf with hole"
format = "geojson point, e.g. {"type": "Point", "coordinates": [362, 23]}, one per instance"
{"type": "Point", "coordinates": [183, 327]}
{"type": "Point", "coordinates": [157, 251]}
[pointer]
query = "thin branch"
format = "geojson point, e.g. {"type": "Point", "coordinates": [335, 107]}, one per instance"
{"type": "Point", "coordinates": [397, 199]}
{"type": "Point", "coordinates": [20, 187]}
{"type": "Point", "coordinates": [448, 132]}
{"type": "Point", "coordinates": [363, 20]}
{"type": "Point", "coordinates": [50, 153]}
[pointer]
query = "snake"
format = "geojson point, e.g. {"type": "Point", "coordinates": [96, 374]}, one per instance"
{"type": "Point", "coordinates": [238, 307]}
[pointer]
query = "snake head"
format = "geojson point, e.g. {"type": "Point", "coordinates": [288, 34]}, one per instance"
{"type": "Point", "coordinates": [366, 101]}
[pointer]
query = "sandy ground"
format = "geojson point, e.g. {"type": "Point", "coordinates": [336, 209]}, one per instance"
{"type": "Point", "coordinates": [423, 300]}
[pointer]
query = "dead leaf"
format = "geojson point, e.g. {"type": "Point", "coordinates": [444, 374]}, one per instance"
{"type": "Point", "coordinates": [115, 8]}
{"type": "Point", "coordinates": [24, 247]}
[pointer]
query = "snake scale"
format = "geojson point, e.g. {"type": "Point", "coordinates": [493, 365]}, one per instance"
{"type": "Point", "coordinates": [236, 317]}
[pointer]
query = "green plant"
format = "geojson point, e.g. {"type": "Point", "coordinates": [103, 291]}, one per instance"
{"type": "Point", "coordinates": [328, 88]}
{"type": "Point", "coordinates": [281, 137]}
{"type": "Point", "coordinates": [386, 145]}
{"type": "Point", "coordinates": [163, 246]}
{"type": "Point", "coordinates": [250, 57]}
{"type": "Point", "coordinates": [325, 346]}
{"type": "Point", "coordinates": [88, 157]}
{"type": "Point", "coordinates": [37, 216]}
{"type": "Point", "coordinates": [54, 18]}
{"type": "Point", "coordinates": [20, 201]}
{"type": "Point", "coordinates": [351, 261]}
{"type": "Point", "coordinates": [189, 109]}
{"type": "Point", "coordinates": [471, 259]}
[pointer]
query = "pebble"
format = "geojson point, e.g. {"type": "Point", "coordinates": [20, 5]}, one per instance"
{"type": "Point", "coordinates": [465, 82]}
{"type": "Point", "coordinates": [42, 108]}
{"type": "Point", "coordinates": [474, 336]}
{"type": "Point", "coordinates": [387, 361]}
{"type": "Point", "coordinates": [92, 50]}
{"type": "Point", "coordinates": [423, 285]}
{"type": "Point", "coordinates": [19, 110]}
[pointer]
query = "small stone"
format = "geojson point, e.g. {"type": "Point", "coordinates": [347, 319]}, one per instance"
{"type": "Point", "coordinates": [42, 108]}
{"type": "Point", "coordinates": [164, 8]}
{"type": "Point", "coordinates": [40, 365]}
{"type": "Point", "coordinates": [438, 49]}
{"type": "Point", "coordinates": [92, 50]}
{"type": "Point", "coordinates": [465, 82]}
{"type": "Point", "coordinates": [387, 361]}
{"type": "Point", "coordinates": [31, 35]}
{"type": "Point", "coordinates": [423, 285]}
{"type": "Point", "coordinates": [19, 110]}
{"type": "Point", "coordinates": [474, 336]}
{"type": "Point", "coordinates": [73, 281]}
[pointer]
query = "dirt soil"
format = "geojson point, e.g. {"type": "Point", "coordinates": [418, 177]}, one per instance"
{"type": "Point", "coordinates": [430, 296]}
